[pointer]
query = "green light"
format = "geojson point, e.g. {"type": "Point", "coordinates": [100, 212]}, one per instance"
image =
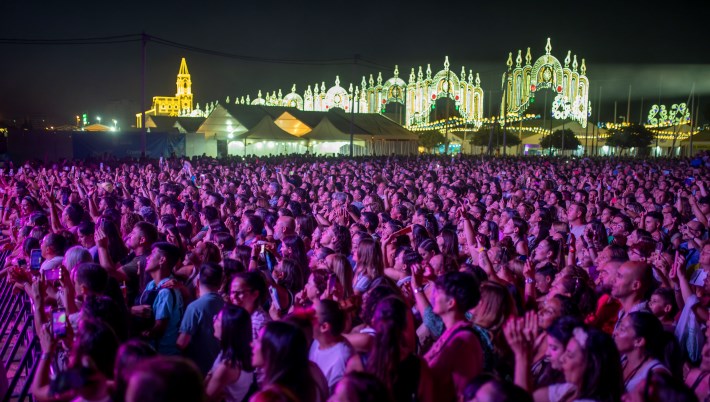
{"type": "Point", "coordinates": [532, 100]}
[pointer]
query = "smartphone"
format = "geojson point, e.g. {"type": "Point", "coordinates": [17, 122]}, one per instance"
{"type": "Point", "coordinates": [101, 166]}
{"type": "Point", "coordinates": [53, 275]}
{"type": "Point", "coordinates": [689, 181]}
{"type": "Point", "coordinates": [35, 259]}
{"type": "Point", "coordinates": [666, 172]}
{"type": "Point", "coordinates": [332, 279]}
{"type": "Point", "coordinates": [278, 170]}
{"type": "Point", "coordinates": [59, 323]}
{"type": "Point", "coordinates": [274, 297]}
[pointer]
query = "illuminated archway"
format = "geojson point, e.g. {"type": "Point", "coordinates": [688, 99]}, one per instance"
{"type": "Point", "coordinates": [569, 82]}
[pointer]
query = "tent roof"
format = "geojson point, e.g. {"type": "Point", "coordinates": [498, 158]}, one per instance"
{"type": "Point", "coordinates": [190, 124]}
{"type": "Point", "coordinates": [267, 130]}
{"type": "Point", "coordinates": [161, 123]}
{"type": "Point", "coordinates": [326, 131]}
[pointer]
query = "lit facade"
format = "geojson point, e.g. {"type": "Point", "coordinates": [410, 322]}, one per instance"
{"type": "Point", "coordinates": [178, 105]}
{"type": "Point", "coordinates": [416, 97]}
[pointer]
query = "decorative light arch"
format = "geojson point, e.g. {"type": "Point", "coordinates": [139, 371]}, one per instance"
{"type": "Point", "coordinates": [293, 99]}
{"type": "Point", "coordinates": [570, 83]}
{"type": "Point", "coordinates": [337, 97]}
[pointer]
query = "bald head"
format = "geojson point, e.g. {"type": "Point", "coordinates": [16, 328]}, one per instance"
{"type": "Point", "coordinates": [285, 226]}
{"type": "Point", "coordinates": [633, 280]}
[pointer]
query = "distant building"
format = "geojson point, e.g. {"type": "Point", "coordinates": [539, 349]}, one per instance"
{"type": "Point", "coordinates": [178, 105]}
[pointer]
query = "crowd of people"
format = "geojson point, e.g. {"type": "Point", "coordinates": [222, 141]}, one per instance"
{"type": "Point", "coordinates": [369, 279]}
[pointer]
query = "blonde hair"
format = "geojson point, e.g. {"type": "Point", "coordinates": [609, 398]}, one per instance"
{"type": "Point", "coordinates": [340, 266]}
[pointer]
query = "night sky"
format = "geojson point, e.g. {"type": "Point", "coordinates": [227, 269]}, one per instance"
{"type": "Point", "coordinates": [655, 50]}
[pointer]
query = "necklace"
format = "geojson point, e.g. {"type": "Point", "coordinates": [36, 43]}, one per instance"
{"type": "Point", "coordinates": [631, 375]}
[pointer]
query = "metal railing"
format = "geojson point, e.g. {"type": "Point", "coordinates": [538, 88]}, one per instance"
{"type": "Point", "coordinates": [19, 345]}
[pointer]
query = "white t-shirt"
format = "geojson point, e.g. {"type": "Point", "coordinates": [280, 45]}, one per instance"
{"type": "Point", "coordinates": [331, 361]}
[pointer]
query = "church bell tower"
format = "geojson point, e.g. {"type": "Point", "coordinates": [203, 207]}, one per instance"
{"type": "Point", "coordinates": [184, 89]}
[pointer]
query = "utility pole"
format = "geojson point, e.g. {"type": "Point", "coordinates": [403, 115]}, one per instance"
{"type": "Point", "coordinates": [144, 42]}
{"type": "Point", "coordinates": [505, 111]}
{"type": "Point", "coordinates": [352, 107]}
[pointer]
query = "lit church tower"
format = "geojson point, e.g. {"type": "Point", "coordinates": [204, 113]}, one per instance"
{"type": "Point", "coordinates": [184, 89]}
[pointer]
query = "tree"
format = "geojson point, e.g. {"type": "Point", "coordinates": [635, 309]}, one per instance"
{"type": "Point", "coordinates": [482, 137]}
{"type": "Point", "coordinates": [431, 139]}
{"type": "Point", "coordinates": [633, 136]}
{"type": "Point", "coordinates": [554, 140]}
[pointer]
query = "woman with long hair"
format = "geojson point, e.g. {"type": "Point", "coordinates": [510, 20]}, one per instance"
{"type": "Point", "coordinates": [232, 374]}
{"type": "Point", "coordinates": [281, 351]}
{"type": "Point", "coordinates": [489, 316]}
{"type": "Point", "coordinates": [592, 368]}
{"type": "Point", "coordinates": [448, 243]}
{"type": "Point", "coordinates": [292, 247]}
{"type": "Point", "coordinates": [340, 266]}
{"type": "Point", "coordinates": [369, 265]}
{"type": "Point", "coordinates": [392, 358]}
{"type": "Point", "coordinates": [647, 347]}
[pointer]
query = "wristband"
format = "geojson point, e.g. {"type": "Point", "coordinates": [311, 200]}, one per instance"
{"type": "Point", "coordinates": [529, 280]}
{"type": "Point", "coordinates": [418, 290]}
{"type": "Point", "coordinates": [45, 356]}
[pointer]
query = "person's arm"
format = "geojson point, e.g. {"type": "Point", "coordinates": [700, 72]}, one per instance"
{"type": "Point", "coordinates": [105, 257]}
{"type": "Point", "coordinates": [522, 350]}
{"type": "Point", "coordinates": [218, 380]}
{"type": "Point", "coordinates": [699, 215]}
{"type": "Point", "coordinates": [530, 289]}
{"type": "Point", "coordinates": [162, 311]}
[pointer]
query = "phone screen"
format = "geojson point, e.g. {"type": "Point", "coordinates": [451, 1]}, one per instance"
{"type": "Point", "coordinates": [35, 258]}
{"type": "Point", "coordinates": [59, 323]}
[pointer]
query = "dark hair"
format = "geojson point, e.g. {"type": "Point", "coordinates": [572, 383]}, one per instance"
{"type": "Point", "coordinates": [602, 379]}
{"type": "Point", "coordinates": [255, 281]}
{"type": "Point", "coordinates": [463, 287]}
{"type": "Point", "coordinates": [211, 275]}
{"type": "Point", "coordinates": [285, 352]}
{"type": "Point", "coordinates": [332, 314]}
{"type": "Point", "coordinates": [668, 296]}
{"type": "Point", "coordinates": [168, 378]}
{"type": "Point", "coordinates": [56, 242]}
{"type": "Point", "coordinates": [293, 279]}
{"type": "Point", "coordinates": [389, 323]}
{"type": "Point", "coordinates": [93, 276]}
{"type": "Point", "coordinates": [97, 340]}
{"type": "Point", "coordinates": [374, 296]}
{"type": "Point", "coordinates": [29, 244]}
{"type": "Point", "coordinates": [561, 328]}
{"type": "Point", "coordinates": [660, 345]}
{"type": "Point", "coordinates": [148, 231]}
{"type": "Point", "coordinates": [128, 356]}
{"type": "Point", "coordinates": [451, 242]}
{"type": "Point", "coordinates": [74, 212]}
{"type": "Point", "coordinates": [170, 251]}
{"type": "Point", "coordinates": [86, 228]}
{"type": "Point", "coordinates": [211, 213]}
{"type": "Point", "coordinates": [504, 391]}
{"type": "Point", "coordinates": [256, 223]}
{"type": "Point", "coordinates": [224, 239]}
{"type": "Point", "coordinates": [365, 387]}
{"type": "Point", "coordinates": [570, 308]}
{"type": "Point", "coordinates": [298, 251]}
{"type": "Point", "coordinates": [109, 312]}
{"type": "Point", "coordinates": [236, 337]}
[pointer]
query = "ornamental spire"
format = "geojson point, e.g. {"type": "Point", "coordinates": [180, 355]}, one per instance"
{"type": "Point", "coordinates": [446, 63]}
{"type": "Point", "coordinates": [322, 87]}
{"type": "Point", "coordinates": [528, 58]}
{"type": "Point", "coordinates": [428, 71]}
{"type": "Point", "coordinates": [519, 59]}
{"type": "Point", "coordinates": [583, 69]}
{"type": "Point", "coordinates": [420, 75]}
{"type": "Point", "coordinates": [463, 73]}
{"type": "Point", "coordinates": [337, 81]}
{"type": "Point", "coordinates": [396, 71]}
{"type": "Point", "coordinates": [259, 95]}
{"type": "Point", "coordinates": [379, 79]}
{"type": "Point", "coordinates": [548, 47]}
{"type": "Point", "coordinates": [470, 76]}
{"type": "Point", "coordinates": [293, 89]}
{"type": "Point", "coordinates": [363, 84]}
{"type": "Point", "coordinates": [567, 59]}
{"type": "Point", "coordinates": [574, 63]}
{"type": "Point", "coordinates": [412, 77]}
{"type": "Point", "coordinates": [478, 80]}
{"type": "Point", "coordinates": [509, 63]}
{"type": "Point", "coordinates": [372, 81]}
